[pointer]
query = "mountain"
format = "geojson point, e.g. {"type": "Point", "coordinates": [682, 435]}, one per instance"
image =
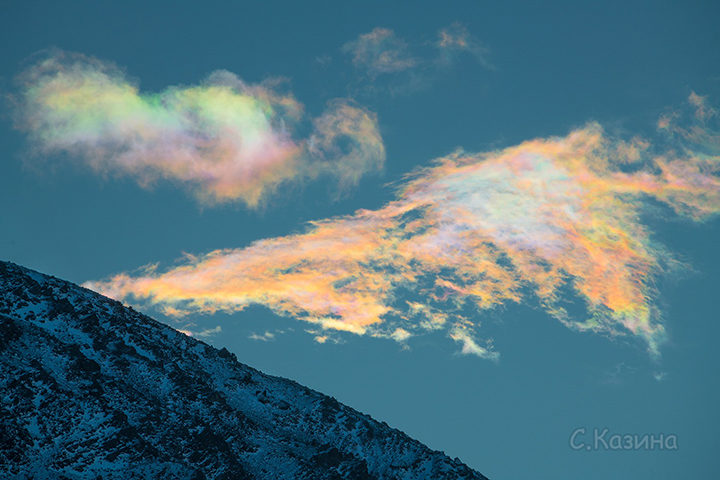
{"type": "Point", "coordinates": [90, 389]}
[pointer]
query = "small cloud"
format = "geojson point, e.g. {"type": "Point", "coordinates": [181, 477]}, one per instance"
{"type": "Point", "coordinates": [264, 337]}
{"type": "Point", "coordinates": [324, 59]}
{"type": "Point", "coordinates": [323, 336]}
{"type": "Point", "coordinates": [471, 347]}
{"type": "Point", "coordinates": [330, 323]}
{"type": "Point", "coordinates": [400, 335]}
{"type": "Point", "coordinates": [203, 333]}
{"type": "Point", "coordinates": [659, 376]}
{"type": "Point", "coordinates": [665, 121]}
{"type": "Point", "coordinates": [457, 39]}
{"type": "Point", "coordinates": [208, 332]}
{"type": "Point", "coordinates": [409, 66]}
{"type": "Point", "coordinates": [702, 110]}
{"type": "Point", "coordinates": [346, 143]}
{"type": "Point", "coordinates": [379, 52]}
{"type": "Point", "coordinates": [702, 129]}
{"type": "Point", "coordinates": [618, 374]}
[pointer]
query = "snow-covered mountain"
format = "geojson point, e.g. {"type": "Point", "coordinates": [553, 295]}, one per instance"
{"type": "Point", "coordinates": [90, 389]}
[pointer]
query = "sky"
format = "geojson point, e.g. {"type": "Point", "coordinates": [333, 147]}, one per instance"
{"type": "Point", "coordinates": [486, 225]}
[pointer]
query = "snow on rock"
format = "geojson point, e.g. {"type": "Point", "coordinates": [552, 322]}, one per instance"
{"type": "Point", "coordinates": [90, 389]}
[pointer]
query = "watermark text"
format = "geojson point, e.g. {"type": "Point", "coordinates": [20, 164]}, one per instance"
{"type": "Point", "coordinates": [602, 439]}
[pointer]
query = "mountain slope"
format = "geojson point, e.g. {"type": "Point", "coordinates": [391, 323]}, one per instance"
{"type": "Point", "coordinates": [90, 389]}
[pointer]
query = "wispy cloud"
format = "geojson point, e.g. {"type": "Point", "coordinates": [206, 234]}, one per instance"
{"type": "Point", "coordinates": [345, 142]}
{"type": "Point", "coordinates": [380, 51]}
{"type": "Point", "coordinates": [618, 374]}
{"type": "Point", "coordinates": [263, 337]}
{"type": "Point", "coordinates": [208, 332]}
{"type": "Point", "coordinates": [702, 110]}
{"type": "Point", "coordinates": [470, 346]}
{"type": "Point", "coordinates": [225, 139]}
{"type": "Point", "coordinates": [544, 222]}
{"type": "Point", "coordinates": [457, 39]}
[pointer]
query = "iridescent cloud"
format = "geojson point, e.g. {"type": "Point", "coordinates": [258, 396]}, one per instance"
{"type": "Point", "coordinates": [226, 139]}
{"type": "Point", "coordinates": [542, 222]}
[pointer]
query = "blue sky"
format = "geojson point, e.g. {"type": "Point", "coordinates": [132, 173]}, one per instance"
{"type": "Point", "coordinates": [523, 71]}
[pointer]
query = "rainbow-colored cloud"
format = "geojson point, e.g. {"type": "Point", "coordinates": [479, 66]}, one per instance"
{"type": "Point", "coordinates": [526, 223]}
{"type": "Point", "coordinates": [226, 139]}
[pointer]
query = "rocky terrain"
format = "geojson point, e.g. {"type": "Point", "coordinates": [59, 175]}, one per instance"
{"type": "Point", "coordinates": [90, 389]}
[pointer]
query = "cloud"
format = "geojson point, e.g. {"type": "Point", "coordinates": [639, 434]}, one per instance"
{"type": "Point", "coordinates": [379, 52]}
{"type": "Point", "coordinates": [547, 222]}
{"type": "Point", "coordinates": [457, 39]}
{"type": "Point", "coordinates": [400, 335]}
{"type": "Point", "coordinates": [702, 110]}
{"type": "Point", "coordinates": [346, 141]}
{"type": "Point", "coordinates": [225, 139]}
{"type": "Point", "coordinates": [264, 337]}
{"type": "Point", "coordinates": [618, 374]}
{"type": "Point", "coordinates": [694, 126]}
{"type": "Point", "coordinates": [470, 346]}
{"type": "Point", "coordinates": [209, 332]}
{"type": "Point", "coordinates": [382, 54]}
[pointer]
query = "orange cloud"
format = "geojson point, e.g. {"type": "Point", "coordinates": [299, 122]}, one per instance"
{"type": "Point", "coordinates": [527, 223]}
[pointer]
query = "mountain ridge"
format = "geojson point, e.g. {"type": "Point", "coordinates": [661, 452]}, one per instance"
{"type": "Point", "coordinates": [93, 389]}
